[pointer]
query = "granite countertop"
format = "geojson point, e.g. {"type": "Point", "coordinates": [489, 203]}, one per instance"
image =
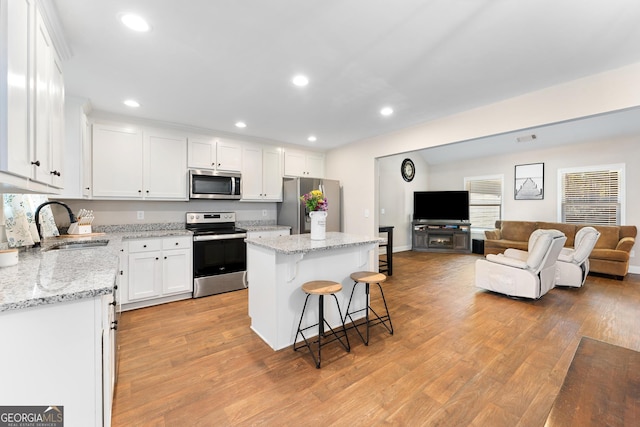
{"type": "Point", "coordinates": [49, 276]}
{"type": "Point", "coordinates": [266, 227]}
{"type": "Point", "coordinates": [302, 243]}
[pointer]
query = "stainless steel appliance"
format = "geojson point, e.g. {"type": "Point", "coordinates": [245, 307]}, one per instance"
{"type": "Point", "coordinates": [219, 253]}
{"type": "Point", "coordinates": [205, 184]}
{"type": "Point", "coordinates": [292, 212]}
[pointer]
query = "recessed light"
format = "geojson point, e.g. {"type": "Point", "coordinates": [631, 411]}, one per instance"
{"type": "Point", "coordinates": [312, 138]}
{"type": "Point", "coordinates": [386, 111]}
{"type": "Point", "coordinates": [241, 125]}
{"type": "Point", "coordinates": [131, 103]}
{"type": "Point", "coordinates": [135, 22]}
{"type": "Point", "coordinates": [300, 80]}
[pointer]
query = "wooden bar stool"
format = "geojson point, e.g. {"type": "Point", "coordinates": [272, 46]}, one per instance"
{"type": "Point", "coordinates": [321, 288]}
{"type": "Point", "coordinates": [368, 277]}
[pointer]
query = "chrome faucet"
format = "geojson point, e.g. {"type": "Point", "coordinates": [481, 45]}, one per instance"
{"type": "Point", "coordinates": [36, 215]}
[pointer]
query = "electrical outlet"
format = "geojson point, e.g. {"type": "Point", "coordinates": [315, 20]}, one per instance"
{"type": "Point", "coordinates": [382, 211]}
{"type": "Point", "coordinates": [140, 214]}
{"type": "Point", "coordinates": [632, 254]}
{"type": "Point", "coordinates": [366, 213]}
{"type": "Point", "coordinates": [264, 212]}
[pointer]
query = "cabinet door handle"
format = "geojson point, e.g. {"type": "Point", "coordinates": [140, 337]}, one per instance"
{"type": "Point", "coordinates": [87, 188]}
{"type": "Point", "coordinates": [37, 163]}
{"type": "Point", "coordinates": [157, 258]}
{"type": "Point", "coordinates": [144, 246]}
{"type": "Point", "coordinates": [177, 243]}
{"type": "Point", "coordinates": [139, 191]}
{"type": "Point", "coordinates": [165, 257]}
{"type": "Point", "coordinates": [147, 191]}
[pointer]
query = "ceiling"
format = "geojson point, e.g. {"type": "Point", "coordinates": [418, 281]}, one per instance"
{"type": "Point", "coordinates": [619, 124]}
{"type": "Point", "coordinates": [211, 63]}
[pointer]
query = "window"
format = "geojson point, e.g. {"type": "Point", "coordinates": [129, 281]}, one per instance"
{"type": "Point", "coordinates": [592, 195]}
{"type": "Point", "coordinates": [485, 200]}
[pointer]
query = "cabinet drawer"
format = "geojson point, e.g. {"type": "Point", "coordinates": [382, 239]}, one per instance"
{"type": "Point", "coordinates": [182, 242]}
{"type": "Point", "coordinates": [145, 245]}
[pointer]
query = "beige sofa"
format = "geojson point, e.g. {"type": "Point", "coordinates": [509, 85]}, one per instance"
{"type": "Point", "coordinates": [610, 255]}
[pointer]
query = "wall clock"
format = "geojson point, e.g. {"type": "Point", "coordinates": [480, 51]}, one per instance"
{"type": "Point", "coordinates": [408, 170]}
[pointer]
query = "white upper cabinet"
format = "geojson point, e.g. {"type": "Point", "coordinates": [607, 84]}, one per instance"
{"type": "Point", "coordinates": [15, 157]}
{"type": "Point", "coordinates": [272, 173]}
{"type": "Point", "coordinates": [229, 155]}
{"type": "Point", "coordinates": [32, 99]}
{"type": "Point", "coordinates": [131, 163]}
{"type": "Point", "coordinates": [303, 164]}
{"type": "Point", "coordinates": [117, 161]}
{"type": "Point", "coordinates": [262, 173]}
{"type": "Point", "coordinates": [202, 153]}
{"type": "Point", "coordinates": [215, 153]}
{"type": "Point", "coordinates": [77, 179]}
{"type": "Point", "coordinates": [165, 171]}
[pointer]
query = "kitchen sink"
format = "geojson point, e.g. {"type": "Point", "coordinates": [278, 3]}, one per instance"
{"type": "Point", "coordinates": [78, 245]}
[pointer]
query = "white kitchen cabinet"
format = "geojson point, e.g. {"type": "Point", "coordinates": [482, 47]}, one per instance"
{"type": "Point", "coordinates": [132, 163]}
{"type": "Point", "coordinates": [48, 106]}
{"type": "Point", "coordinates": [157, 270]}
{"type": "Point", "coordinates": [15, 157]}
{"type": "Point", "coordinates": [165, 171]}
{"type": "Point", "coordinates": [262, 173]}
{"type": "Point", "coordinates": [64, 344]}
{"type": "Point", "coordinates": [303, 164]}
{"type": "Point", "coordinates": [32, 99]}
{"type": "Point", "coordinates": [77, 179]}
{"type": "Point", "coordinates": [117, 161]}
{"type": "Point", "coordinates": [215, 153]}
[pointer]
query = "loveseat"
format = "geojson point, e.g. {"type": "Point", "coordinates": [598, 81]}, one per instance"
{"type": "Point", "coordinates": [610, 255]}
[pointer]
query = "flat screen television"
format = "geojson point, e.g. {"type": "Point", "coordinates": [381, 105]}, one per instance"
{"type": "Point", "coordinates": [441, 205]}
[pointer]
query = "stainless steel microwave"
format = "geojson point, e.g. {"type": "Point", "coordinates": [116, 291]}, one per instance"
{"type": "Point", "coordinates": [205, 184]}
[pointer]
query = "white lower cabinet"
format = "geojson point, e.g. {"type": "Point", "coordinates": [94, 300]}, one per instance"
{"type": "Point", "coordinates": [156, 271]}
{"type": "Point", "coordinates": [60, 354]}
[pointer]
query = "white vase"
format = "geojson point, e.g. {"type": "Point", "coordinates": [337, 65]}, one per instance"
{"type": "Point", "coordinates": [318, 224]}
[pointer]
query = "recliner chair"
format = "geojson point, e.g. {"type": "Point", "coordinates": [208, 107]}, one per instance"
{"type": "Point", "coordinates": [528, 278]}
{"type": "Point", "coordinates": [573, 264]}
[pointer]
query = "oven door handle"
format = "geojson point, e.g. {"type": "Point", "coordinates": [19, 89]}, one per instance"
{"type": "Point", "coordinates": [219, 237]}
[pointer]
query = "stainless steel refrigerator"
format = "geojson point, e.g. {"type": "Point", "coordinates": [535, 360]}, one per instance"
{"type": "Point", "coordinates": [291, 211]}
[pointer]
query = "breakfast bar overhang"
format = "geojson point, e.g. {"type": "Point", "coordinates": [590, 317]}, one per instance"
{"type": "Point", "coordinates": [278, 266]}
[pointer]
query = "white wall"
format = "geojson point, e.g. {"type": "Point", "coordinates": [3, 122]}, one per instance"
{"type": "Point", "coordinates": [355, 164]}
{"type": "Point", "coordinates": [396, 196]}
{"type": "Point", "coordinates": [617, 151]}
{"type": "Point", "coordinates": [116, 212]}
{"type": "Point", "coordinates": [625, 151]}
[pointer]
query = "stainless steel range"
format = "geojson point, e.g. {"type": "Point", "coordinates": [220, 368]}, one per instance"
{"type": "Point", "coordinates": [219, 253]}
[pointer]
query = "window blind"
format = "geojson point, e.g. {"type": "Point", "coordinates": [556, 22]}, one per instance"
{"type": "Point", "coordinates": [591, 197]}
{"type": "Point", "coordinates": [485, 201]}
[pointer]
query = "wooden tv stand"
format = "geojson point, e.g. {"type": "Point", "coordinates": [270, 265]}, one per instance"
{"type": "Point", "coordinates": [441, 236]}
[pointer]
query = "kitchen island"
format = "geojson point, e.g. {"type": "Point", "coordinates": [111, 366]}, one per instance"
{"type": "Point", "coordinates": [278, 266]}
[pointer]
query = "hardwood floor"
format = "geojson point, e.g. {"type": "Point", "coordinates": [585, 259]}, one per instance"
{"type": "Point", "coordinates": [459, 356]}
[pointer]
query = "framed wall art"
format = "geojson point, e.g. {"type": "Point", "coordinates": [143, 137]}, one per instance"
{"type": "Point", "coordinates": [529, 181]}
